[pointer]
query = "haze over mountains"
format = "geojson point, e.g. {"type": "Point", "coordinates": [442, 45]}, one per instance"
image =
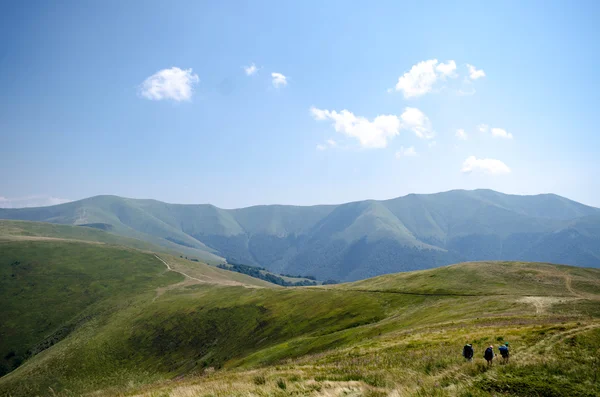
{"type": "Point", "coordinates": [354, 240]}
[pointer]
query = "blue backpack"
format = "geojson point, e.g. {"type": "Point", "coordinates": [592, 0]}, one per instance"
{"type": "Point", "coordinates": [503, 350]}
{"type": "Point", "coordinates": [489, 354]}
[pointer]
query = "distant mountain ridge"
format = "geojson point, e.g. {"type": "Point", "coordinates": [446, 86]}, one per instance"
{"type": "Point", "coordinates": [354, 240]}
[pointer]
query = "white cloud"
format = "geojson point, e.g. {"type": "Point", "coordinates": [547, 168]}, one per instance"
{"type": "Point", "coordinates": [420, 79]}
{"type": "Point", "coordinates": [461, 134]}
{"type": "Point", "coordinates": [174, 83]}
{"type": "Point", "coordinates": [30, 201]}
{"type": "Point", "coordinates": [501, 133]}
{"type": "Point", "coordinates": [376, 133]}
{"type": "Point", "coordinates": [432, 144]}
{"type": "Point", "coordinates": [250, 70]}
{"type": "Point", "coordinates": [370, 134]}
{"type": "Point", "coordinates": [447, 69]}
{"type": "Point", "coordinates": [490, 166]}
{"type": "Point", "coordinates": [331, 142]}
{"type": "Point", "coordinates": [279, 80]}
{"type": "Point", "coordinates": [474, 74]}
{"type": "Point", "coordinates": [406, 152]}
{"type": "Point", "coordinates": [321, 147]}
{"type": "Point", "coordinates": [416, 121]}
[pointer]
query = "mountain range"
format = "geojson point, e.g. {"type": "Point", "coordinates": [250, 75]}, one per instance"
{"type": "Point", "coordinates": [355, 240]}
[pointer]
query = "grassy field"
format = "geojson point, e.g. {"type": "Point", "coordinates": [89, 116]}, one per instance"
{"type": "Point", "coordinates": [133, 328]}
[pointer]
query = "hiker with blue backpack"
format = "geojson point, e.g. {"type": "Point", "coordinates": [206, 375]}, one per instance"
{"type": "Point", "coordinates": [489, 355]}
{"type": "Point", "coordinates": [503, 349]}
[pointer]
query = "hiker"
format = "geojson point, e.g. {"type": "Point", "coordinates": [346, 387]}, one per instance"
{"type": "Point", "coordinates": [468, 352]}
{"type": "Point", "coordinates": [489, 355]}
{"type": "Point", "coordinates": [503, 349]}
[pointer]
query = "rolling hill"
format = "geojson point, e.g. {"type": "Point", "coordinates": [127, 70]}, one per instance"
{"type": "Point", "coordinates": [91, 318]}
{"type": "Point", "coordinates": [355, 240]}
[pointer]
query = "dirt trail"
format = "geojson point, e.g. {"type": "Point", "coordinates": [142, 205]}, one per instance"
{"type": "Point", "coordinates": [568, 282]}
{"type": "Point", "coordinates": [189, 280]}
{"type": "Point", "coordinates": [542, 303]}
{"type": "Point", "coordinates": [177, 271]}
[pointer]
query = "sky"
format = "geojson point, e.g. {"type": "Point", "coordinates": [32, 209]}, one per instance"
{"type": "Point", "coordinates": [239, 103]}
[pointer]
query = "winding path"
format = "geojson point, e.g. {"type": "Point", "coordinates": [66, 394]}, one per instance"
{"type": "Point", "coordinates": [177, 271]}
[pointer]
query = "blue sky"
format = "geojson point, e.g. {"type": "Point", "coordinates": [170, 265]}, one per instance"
{"type": "Point", "coordinates": [349, 100]}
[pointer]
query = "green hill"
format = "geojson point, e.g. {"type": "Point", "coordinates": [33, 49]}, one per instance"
{"type": "Point", "coordinates": [355, 240]}
{"type": "Point", "coordinates": [88, 317]}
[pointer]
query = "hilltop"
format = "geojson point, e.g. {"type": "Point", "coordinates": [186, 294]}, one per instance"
{"type": "Point", "coordinates": [355, 240]}
{"type": "Point", "coordinates": [94, 317]}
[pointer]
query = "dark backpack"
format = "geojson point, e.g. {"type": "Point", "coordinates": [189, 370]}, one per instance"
{"type": "Point", "coordinates": [503, 350]}
{"type": "Point", "coordinates": [489, 354]}
{"type": "Point", "coordinates": [468, 351]}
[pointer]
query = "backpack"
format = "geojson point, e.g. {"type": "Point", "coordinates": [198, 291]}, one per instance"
{"type": "Point", "coordinates": [468, 351]}
{"type": "Point", "coordinates": [503, 350]}
{"type": "Point", "coordinates": [489, 354]}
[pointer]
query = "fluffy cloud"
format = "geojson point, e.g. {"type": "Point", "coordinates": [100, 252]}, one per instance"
{"type": "Point", "coordinates": [420, 79]}
{"type": "Point", "coordinates": [489, 166]}
{"type": "Point", "coordinates": [461, 134]}
{"type": "Point", "coordinates": [499, 132]}
{"type": "Point", "coordinates": [474, 73]}
{"type": "Point", "coordinates": [406, 152]}
{"type": "Point", "coordinates": [447, 69]}
{"type": "Point", "coordinates": [370, 134]}
{"type": "Point", "coordinates": [250, 70]}
{"type": "Point", "coordinates": [174, 83]}
{"type": "Point", "coordinates": [376, 133]}
{"type": "Point", "coordinates": [416, 121]}
{"type": "Point", "coordinates": [321, 147]}
{"type": "Point", "coordinates": [30, 201]}
{"type": "Point", "coordinates": [279, 80]}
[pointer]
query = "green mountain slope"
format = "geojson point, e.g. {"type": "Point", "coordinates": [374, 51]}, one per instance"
{"type": "Point", "coordinates": [90, 317]}
{"type": "Point", "coordinates": [48, 288]}
{"type": "Point", "coordinates": [55, 279]}
{"type": "Point", "coordinates": [355, 240]}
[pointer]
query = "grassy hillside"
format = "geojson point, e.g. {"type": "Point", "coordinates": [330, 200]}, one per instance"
{"type": "Point", "coordinates": [54, 279]}
{"type": "Point", "coordinates": [115, 321]}
{"type": "Point", "coordinates": [29, 230]}
{"type": "Point", "coordinates": [487, 279]}
{"type": "Point", "coordinates": [49, 288]}
{"type": "Point", "coordinates": [355, 240]}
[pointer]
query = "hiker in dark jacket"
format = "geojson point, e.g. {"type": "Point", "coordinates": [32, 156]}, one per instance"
{"type": "Point", "coordinates": [504, 352]}
{"type": "Point", "coordinates": [468, 352]}
{"type": "Point", "coordinates": [489, 355]}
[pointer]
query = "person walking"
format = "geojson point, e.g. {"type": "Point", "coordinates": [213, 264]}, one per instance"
{"type": "Point", "coordinates": [504, 352]}
{"type": "Point", "coordinates": [468, 352]}
{"type": "Point", "coordinates": [489, 355]}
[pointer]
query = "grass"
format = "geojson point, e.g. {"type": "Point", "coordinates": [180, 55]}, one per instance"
{"type": "Point", "coordinates": [49, 288]}
{"type": "Point", "coordinates": [18, 230]}
{"type": "Point", "coordinates": [134, 329]}
{"type": "Point", "coordinates": [212, 274]}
